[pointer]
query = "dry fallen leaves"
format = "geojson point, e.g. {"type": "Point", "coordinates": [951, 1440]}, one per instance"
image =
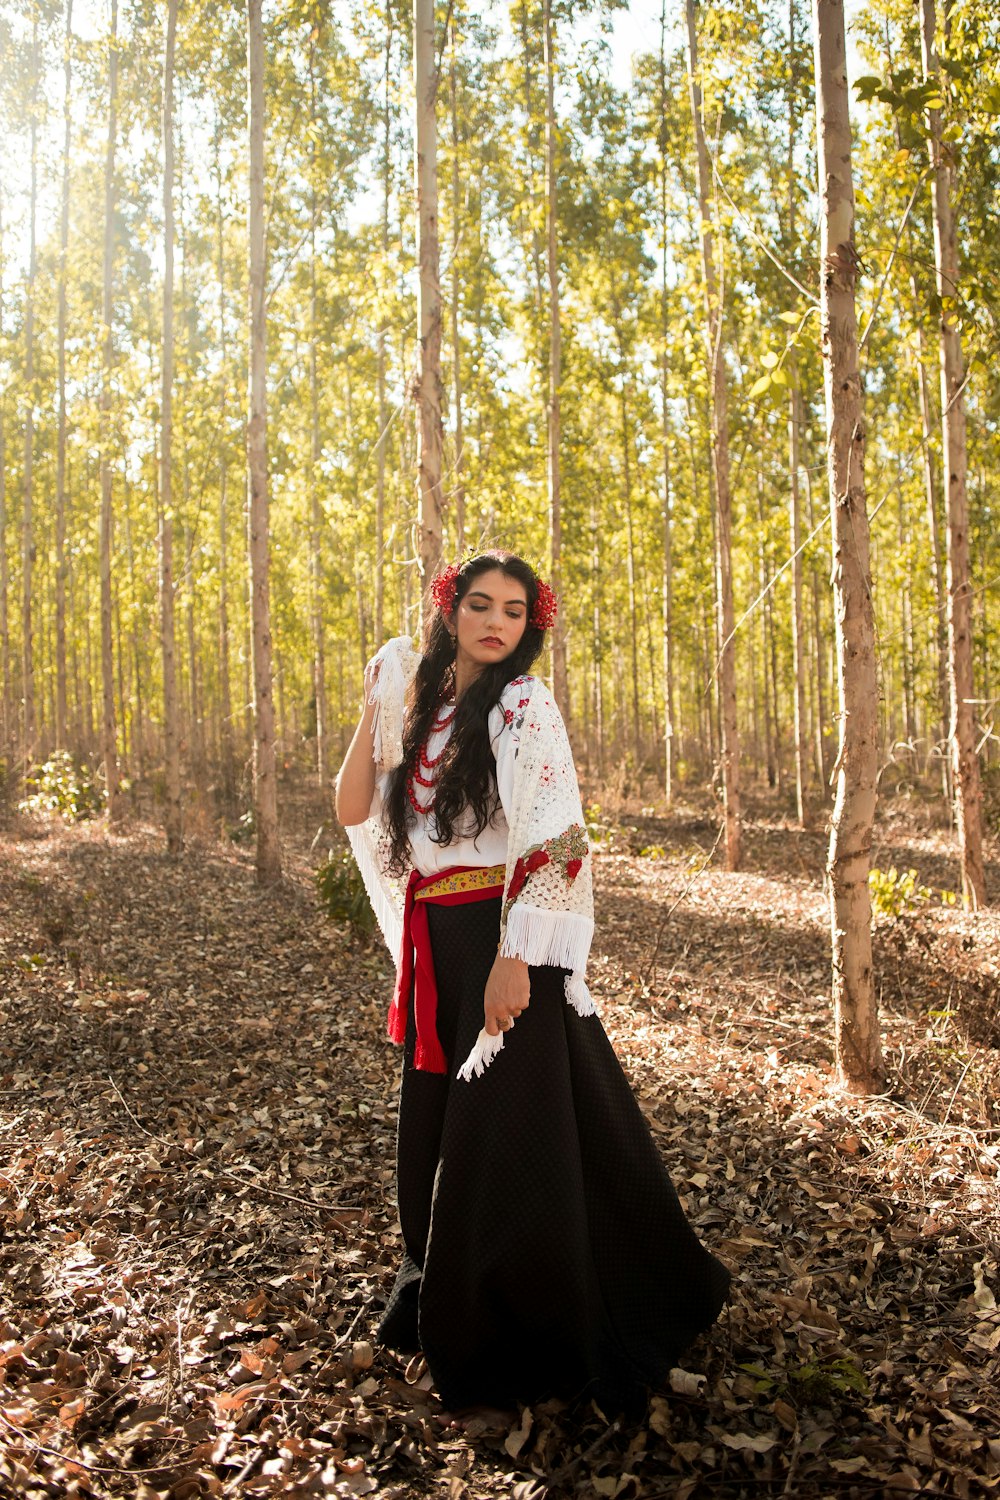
{"type": "Point", "coordinates": [196, 1174]}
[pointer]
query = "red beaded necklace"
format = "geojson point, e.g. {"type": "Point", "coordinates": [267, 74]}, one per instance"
{"type": "Point", "coordinates": [424, 763]}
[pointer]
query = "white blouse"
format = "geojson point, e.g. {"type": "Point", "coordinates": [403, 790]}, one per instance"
{"type": "Point", "coordinates": [490, 848]}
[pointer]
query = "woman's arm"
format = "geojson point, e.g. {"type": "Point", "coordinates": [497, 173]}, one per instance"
{"type": "Point", "coordinates": [355, 784]}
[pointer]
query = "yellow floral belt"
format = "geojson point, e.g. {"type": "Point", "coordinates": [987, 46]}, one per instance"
{"type": "Point", "coordinates": [457, 881]}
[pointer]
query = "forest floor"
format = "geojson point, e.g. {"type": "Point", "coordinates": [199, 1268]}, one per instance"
{"type": "Point", "coordinates": [197, 1107]}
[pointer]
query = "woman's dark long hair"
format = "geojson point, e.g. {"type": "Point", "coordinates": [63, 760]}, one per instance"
{"type": "Point", "coordinates": [465, 791]}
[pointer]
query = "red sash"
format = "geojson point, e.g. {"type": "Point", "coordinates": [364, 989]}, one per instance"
{"type": "Point", "coordinates": [415, 970]}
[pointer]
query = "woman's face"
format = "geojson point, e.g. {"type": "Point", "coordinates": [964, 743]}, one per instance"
{"type": "Point", "coordinates": [490, 620]}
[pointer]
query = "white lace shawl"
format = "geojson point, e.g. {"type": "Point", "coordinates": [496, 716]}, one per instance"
{"type": "Point", "coordinates": [548, 907]}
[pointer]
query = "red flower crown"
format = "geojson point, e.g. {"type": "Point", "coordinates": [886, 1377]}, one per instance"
{"type": "Point", "coordinates": [445, 585]}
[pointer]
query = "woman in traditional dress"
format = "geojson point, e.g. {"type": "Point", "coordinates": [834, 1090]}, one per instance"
{"type": "Point", "coordinates": [545, 1249]}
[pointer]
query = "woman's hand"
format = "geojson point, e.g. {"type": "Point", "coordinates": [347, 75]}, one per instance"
{"type": "Point", "coordinates": [371, 677]}
{"type": "Point", "coordinates": [507, 993]}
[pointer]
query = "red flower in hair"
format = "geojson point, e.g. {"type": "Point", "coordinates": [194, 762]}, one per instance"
{"type": "Point", "coordinates": [443, 589]}
{"type": "Point", "coordinates": [546, 608]}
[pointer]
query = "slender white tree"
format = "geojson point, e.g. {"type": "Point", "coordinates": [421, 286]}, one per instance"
{"type": "Point", "coordinates": [726, 614]}
{"type": "Point", "coordinates": [174, 816]}
{"type": "Point", "coordinates": [109, 738]}
{"type": "Point", "coordinates": [857, 1040]}
{"type": "Point", "coordinates": [265, 760]}
{"type": "Point", "coordinates": [430, 431]}
{"type": "Point", "coordinates": [964, 760]}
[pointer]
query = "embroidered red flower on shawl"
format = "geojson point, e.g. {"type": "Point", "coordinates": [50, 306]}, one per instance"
{"type": "Point", "coordinates": [522, 869]}
{"type": "Point", "coordinates": [573, 868]}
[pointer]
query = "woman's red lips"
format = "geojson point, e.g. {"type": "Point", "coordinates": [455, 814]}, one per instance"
{"type": "Point", "coordinates": [491, 640]}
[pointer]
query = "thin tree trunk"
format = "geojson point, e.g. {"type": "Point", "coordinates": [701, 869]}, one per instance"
{"type": "Point", "coordinates": [857, 1040]}
{"type": "Point", "coordinates": [60, 719]}
{"type": "Point", "coordinates": [27, 524]}
{"type": "Point", "coordinates": [819, 655]}
{"type": "Point", "coordinates": [227, 749]}
{"type": "Point", "coordinates": [265, 768]}
{"type": "Point", "coordinates": [383, 410]}
{"type": "Point", "coordinates": [964, 760]}
{"type": "Point", "coordinates": [430, 440]}
{"type": "Point", "coordinates": [456, 348]}
{"type": "Point", "coordinates": [668, 561]}
{"type": "Point", "coordinates": [630, 571]}
{"type": "Point", "coordinates": [794, 498]}
{"type": "Point", "coordinates": [720, 456]}
{"type": "Point", "coordinates": [934, 537]}
{"type": "Point", "coordinates": [315, 513]}
{"type": "Point", "coordinates": [598, 644]}
{"type": "Point", "coordinates": [137, 690]}
{"type": "Point", "coordinates": [6, 705]}
{"type": "Point", "coordinates": [108, 737]}
{"type": "Point", "coordinates": [173, 811]}
{"type": "Point", "coordinates": [560, 683]}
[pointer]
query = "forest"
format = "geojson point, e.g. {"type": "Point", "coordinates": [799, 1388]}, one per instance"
{"type": "Point", "coordinates": [694, 303]}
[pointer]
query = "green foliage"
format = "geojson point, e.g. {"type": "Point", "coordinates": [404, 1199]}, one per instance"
{"type": "Point", "coordinates": [816, 1383]}
{"type": "Point", "coordinates": [896, 895]}
{"type": "Point", "coordinates": [63, 785]}
{"type": "Point", "coordinates": [342, 893]}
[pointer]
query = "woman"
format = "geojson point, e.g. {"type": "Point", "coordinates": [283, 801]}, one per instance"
{"type": "Point", "coordinates": [546, 1252]}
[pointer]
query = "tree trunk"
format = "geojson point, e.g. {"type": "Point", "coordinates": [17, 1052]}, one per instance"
{"type": "Point", "coordinates": [560, 683]}
{"type": "Point", "coordinates": [315, 510]}
{"type": "Point", "coordinates": [720, 457]}
{"type": "Point", "coordinates": [61, 379]}
{"type": "Point", "coordinates": [383, 410]}
{"type": "Point", "coordinates": [173, 812]}
{"type": "Point", "coordinates": [265, 768]}
{"type": "Point", "coordinates": [7, 703]}
{"type": "Point", "coordinates": [27, 524]}
{"type": "Point", "coordinates": [794, 498]}
{"type": "Point", "coordinates": [456, 348]}
{"type": "Point", "coordinates": [430, 440]}
{"type": "Point", "coordinates": [668, 561]}
{"type": "Point", "coordinates": [934, 537]}
{"type": "Point", "coordinates": [964, 760]}
{"type": "Point", "coordinates": [227, 749]}
{"type": "Point", "coordinates": [108, 736]}
{"type": "Point", "coordinates": [857, 1040]}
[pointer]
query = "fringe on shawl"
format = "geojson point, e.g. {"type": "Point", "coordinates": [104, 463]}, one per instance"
{"type": "Point", "coordinates": [380, 894]}
{"type": "Point", "coordinates": [481, 1056]}
{"type": "Point", "coordinates": [541, 936]}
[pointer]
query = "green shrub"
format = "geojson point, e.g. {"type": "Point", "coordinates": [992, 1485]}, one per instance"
{"type": "Point", "coordinates": [896, 895]}
{"type": "Point", "coordinates": [65, 786]}
{"type": "Point", "coordinates": [342, 893]}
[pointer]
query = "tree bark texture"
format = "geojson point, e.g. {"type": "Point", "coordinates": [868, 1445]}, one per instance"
{"type": "Point", "coordinates": [173, 814]}
{"type": "Point", "coordinates": [668, 561]}
{"type": "Point", "coordinates": [964, 760]}
{"type": "Point", "coordinates": [265, 762]}
{"type": "Point", "coordinates": [456, 348]}
{"type": "Point", "coordinates": [227, 748]}
{"type": "Point", "coordinates": [6, 704]}
{"type": "Point", "coordinates": [27, 515]}
{"type": "Point", "coordinates": [61, 382]}
{"type": "Point", "coordinates": [109, 747]}
{"type": "Point", "coordinates": [725, 613]}
{"type": "Point", "coordinates": [315, 508]}
{"type": "Point", "coordinates": [857, 1040]}
{"type": "Point", "coordinates": [430, 431]}
{"type": "Point", "coordinates": [560, 682]}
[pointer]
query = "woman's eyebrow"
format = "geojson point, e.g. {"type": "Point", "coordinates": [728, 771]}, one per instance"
{"type": "Point", "coordinates": [482, 594]}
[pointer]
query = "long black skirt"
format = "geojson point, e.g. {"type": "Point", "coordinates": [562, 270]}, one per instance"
{"type": "Point", "coordinates": [546, 1251]}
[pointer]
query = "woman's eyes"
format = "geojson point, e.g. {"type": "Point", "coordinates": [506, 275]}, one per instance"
{"type": "Point", "coordinates": [512, 614]}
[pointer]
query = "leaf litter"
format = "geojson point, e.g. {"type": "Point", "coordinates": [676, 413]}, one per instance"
{"type": "Point", "coordinates": [197, 1116]}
